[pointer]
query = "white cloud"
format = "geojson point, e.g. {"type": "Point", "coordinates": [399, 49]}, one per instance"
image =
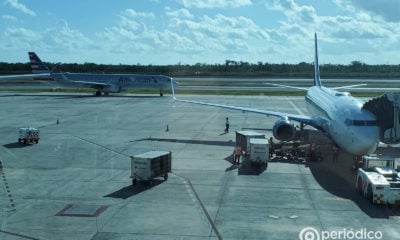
{"type": "Point", "coordinates": [215, 3]}
{"type": "Point", "coordinates": [19, 6]}
{"type": "Point", "coordinates": [387, 9]}
{"type": "Point", "coordinates": [9, 18]}
{"type": "Point", "coordinates": [63, 37]}
{"type": "Point", "coordinates": [181, 13]}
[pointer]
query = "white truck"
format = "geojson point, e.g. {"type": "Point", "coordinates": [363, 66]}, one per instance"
{"type": "Point", "coordinates": [150, 165]}
{"type": "Point", "coordinates": [28, 134]}
{"type": "Point", "coordinates": [378, 180]}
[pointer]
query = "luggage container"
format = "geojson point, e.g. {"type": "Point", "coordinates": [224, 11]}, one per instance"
{"type": "Point", "coordinates": [259, 152]}
{"type": "Point", "coordinates": [28, 134]}
{"type": "Point", "coordinates": [150, 165]}
{"type": "Point", "coordinates": [243, 139]}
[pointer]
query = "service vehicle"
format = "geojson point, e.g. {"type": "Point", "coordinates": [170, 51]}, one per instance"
{"type": "Point", "coordinates": [150, 165]}
{"type": "Point", "coordinates": [378, 180]}
{"type": "Point", "coordinates": [28, 135]}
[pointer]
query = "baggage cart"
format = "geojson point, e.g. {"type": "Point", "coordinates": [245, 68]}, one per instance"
{"type": "Point", "coordinates": [243, 139]}
{"type": "Point", "coordinates": [259, 152]}
{"type": "Point", "coordinates": [150, 165]}
{"type": "Point", "coordinates": [28, 135]}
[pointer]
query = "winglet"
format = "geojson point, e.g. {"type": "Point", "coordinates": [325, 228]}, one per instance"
{"type": "Point", "coordinates": [317, 80]}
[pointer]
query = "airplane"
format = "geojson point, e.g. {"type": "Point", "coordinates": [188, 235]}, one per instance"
{"type": "Point", "coordinates": [337, 114]}
{"type": "Point", "coordinates": [103, 83]}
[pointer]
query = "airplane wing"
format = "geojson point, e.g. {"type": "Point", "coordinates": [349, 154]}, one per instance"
{"type": "Point", "coordinates": [96, 85]}
{"type": "Point", "coordinates": [317, 123]}
{"type": "Point", "coordinates": [286, 86]}
{"type": "Point", "coordinates": [305, 89]}
{"type": "Point", "coordinates": [24, 76]}
{"type": "Point", "coordinates": [350, 86]}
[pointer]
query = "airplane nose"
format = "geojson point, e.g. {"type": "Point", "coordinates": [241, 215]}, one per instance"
{"type": "Point", "coordinates": [367, 142]}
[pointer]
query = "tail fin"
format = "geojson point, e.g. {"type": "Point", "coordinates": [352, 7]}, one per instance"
{"type": "Point", "coordinates": [317, 81]}
{"type": "Point", "coordinates": [36, 64]}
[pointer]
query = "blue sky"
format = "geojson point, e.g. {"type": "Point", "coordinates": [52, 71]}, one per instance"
{"type": "Point", "coordinates": [200, 31]}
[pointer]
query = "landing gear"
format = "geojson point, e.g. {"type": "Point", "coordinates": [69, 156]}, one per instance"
{"type": "Point", "coordinates": [98, 93]}
{"type": "Point", "coordinates": [161, 93]}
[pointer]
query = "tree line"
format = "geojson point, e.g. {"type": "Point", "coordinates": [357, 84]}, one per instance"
{"type": "Point", "coordinates": [355, 69]}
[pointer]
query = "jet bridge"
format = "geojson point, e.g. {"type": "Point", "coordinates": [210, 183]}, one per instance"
{"type": "Point", "coordinates": [386, 109]}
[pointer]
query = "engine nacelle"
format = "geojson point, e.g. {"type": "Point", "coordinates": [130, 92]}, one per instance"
{"type": "Point", "coordinates": [112, 89]}
{"type": "Point", "coordinates": [284, 130]}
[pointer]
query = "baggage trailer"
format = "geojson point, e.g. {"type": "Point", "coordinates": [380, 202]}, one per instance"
{"type": "Point", "coordinates": [243, 139]}
{"type": "Point", "coordinates": [28, 134]}
{"type": "Point", "coordinates": [259, 152]}
{"type": "Point", "coordinates": [150, 165]}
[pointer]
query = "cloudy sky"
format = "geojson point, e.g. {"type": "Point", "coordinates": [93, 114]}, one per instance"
{"type": "Point", "coordinates": [200, 31]}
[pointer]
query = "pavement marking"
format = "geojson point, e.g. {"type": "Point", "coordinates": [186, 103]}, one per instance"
{"type": "Point", "coordinates": [189, 185]}
{"type": "Point", "coordinates": [18, 235]}
{"type": "Point", "coordinates": [9, 195]}
{"type": "Point", "coordinates": [295, 107]}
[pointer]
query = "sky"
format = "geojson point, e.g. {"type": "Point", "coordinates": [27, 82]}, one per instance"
{"type": "Point", "coordinates": [161, 32]}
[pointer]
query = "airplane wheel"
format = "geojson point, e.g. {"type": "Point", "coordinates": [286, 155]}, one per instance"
{"type": "Point", "coordinates": [165, 177]}
{"type": "Point", "coordinates": [98, 93]}
{"type": "Point", "coordinates": [161, 94]}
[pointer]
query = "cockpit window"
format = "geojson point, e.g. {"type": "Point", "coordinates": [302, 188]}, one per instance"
{"type": "Point", "coordinates": [350, 122]}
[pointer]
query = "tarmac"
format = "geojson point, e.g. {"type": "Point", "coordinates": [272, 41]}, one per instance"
{"type": "Point", "coordinates": [74, 184]}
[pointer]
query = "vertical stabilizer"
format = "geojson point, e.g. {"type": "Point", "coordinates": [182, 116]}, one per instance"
{"type": "Point", "coordinates": [317, 81]}
{"type": "Point", "coordinates": [36, 64]}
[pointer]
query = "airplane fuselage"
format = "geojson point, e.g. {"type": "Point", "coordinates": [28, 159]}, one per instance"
{"type": "Point", "coordinates": [350, 126]}
{"type": "Point", "coordinates": [115, 82]}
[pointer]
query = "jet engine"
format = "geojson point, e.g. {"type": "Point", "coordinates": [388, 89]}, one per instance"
{"type": "Point", "coordinates": [112, 89]}
{"type": "Point", "coordinates": [284, 130]}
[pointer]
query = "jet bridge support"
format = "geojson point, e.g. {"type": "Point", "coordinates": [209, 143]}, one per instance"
{"type": "Point", "coordinates": [386, 109]}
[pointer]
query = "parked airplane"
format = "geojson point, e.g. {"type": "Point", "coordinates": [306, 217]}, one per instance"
{"type": "Point", "coordinates": [337, 114]}
{"type": "Point", "coordinates": [104, 83]}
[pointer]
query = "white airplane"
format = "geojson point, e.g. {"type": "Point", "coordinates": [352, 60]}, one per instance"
{"type": "Point", "coordinates": [104, 83]}
{"type": "Point", "coordinates": [339, 115]}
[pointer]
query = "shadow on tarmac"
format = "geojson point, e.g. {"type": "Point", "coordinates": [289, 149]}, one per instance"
{"type": "Point", "coordinates": [132, 190]}
{"type": "Point", "coordinates": [16, 145]}
{"type": "Point", "coordinates": [229, 143]}
{"type": "Point", "coordinates": [69, 96]}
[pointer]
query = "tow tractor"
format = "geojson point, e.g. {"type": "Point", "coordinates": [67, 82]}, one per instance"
{"type": "Point", "coordinates": [378, 181]}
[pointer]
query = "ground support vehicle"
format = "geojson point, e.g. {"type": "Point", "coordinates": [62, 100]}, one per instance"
{"type": "Point", "coordinates": [378, 180]}
{"type": "Point", "coordinates": [150, 165]}
{"type": "Point", "coordinates": [28, 135]}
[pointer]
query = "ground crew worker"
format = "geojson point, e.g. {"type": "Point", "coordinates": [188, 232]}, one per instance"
{"type": "Point", "coordinates": [271, 146]}
{"type": "Point", "coordinates": [236, 155]}
{"type": "Point", "coordinates": [227, 125]}
{"type": "Point", "coordinates": [335, 153]}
